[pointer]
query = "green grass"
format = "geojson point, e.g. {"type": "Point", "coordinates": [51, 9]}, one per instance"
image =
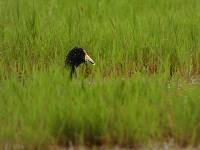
{"type": "Point", "coordinates": [146, 52]}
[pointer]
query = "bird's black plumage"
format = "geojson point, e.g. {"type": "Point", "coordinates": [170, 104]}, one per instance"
{"type": "Point", "coordinates": [75, 57]}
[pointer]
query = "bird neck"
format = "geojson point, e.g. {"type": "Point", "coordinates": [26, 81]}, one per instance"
{"type": "Point", "coordinates": [73, 72]}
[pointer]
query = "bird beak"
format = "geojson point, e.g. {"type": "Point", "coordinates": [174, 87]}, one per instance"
{"type": "Point", "coordinates": [88, 59]}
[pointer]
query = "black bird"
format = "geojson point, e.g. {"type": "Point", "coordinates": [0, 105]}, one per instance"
{"type": "Point", "coordinates": [75, 57]}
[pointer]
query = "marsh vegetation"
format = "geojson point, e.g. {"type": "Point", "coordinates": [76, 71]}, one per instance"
{"type": "Point", "coordinates": [144, 87]}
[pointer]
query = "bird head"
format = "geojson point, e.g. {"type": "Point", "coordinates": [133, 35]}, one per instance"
{"type": "Point", "coordinates": [77, 56]}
